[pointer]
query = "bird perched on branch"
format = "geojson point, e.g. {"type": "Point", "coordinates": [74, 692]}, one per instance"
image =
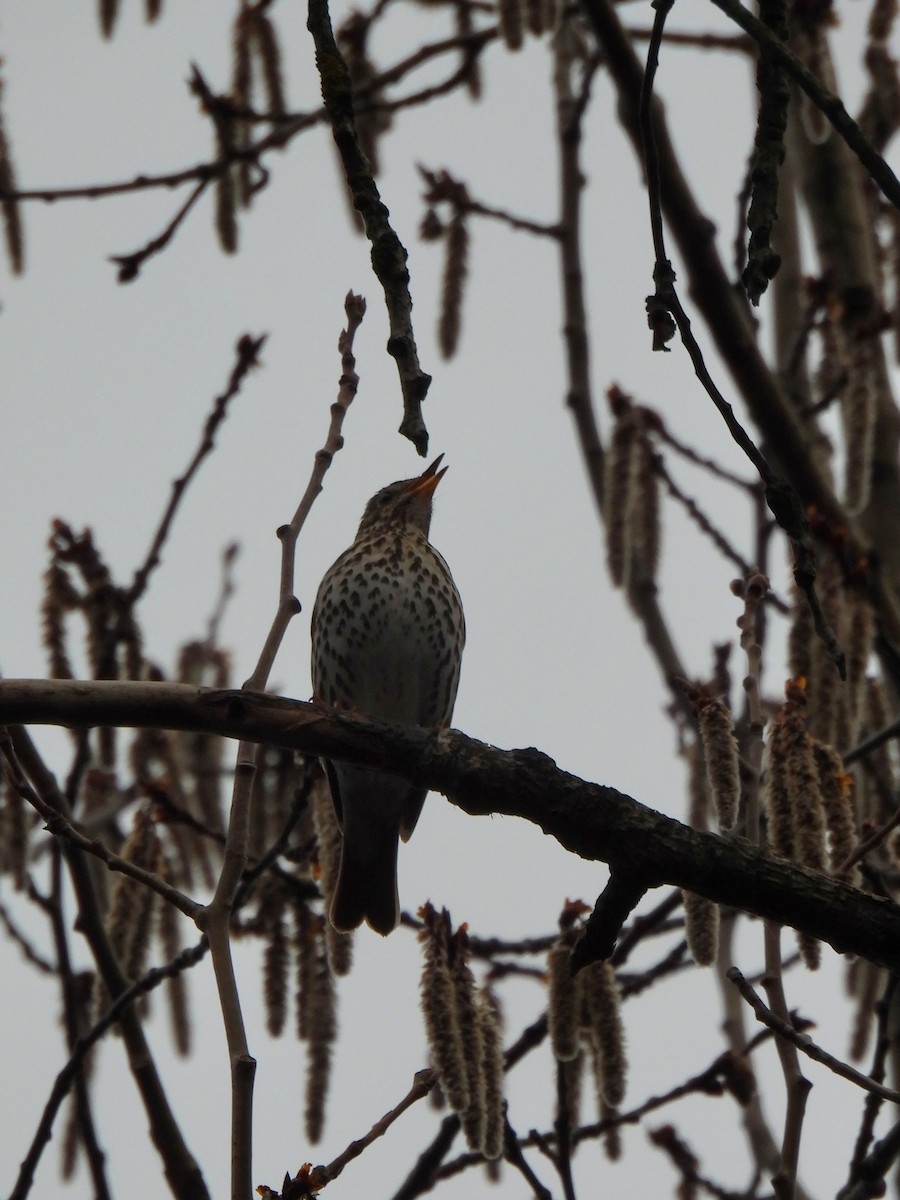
{"type": "Point", "coordinates": [387, 640]}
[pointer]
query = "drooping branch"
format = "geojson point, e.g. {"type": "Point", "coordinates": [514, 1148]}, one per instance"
{"type": "Point", "coordinates": [388, 253]}
{"type": "Point", "coordinates": [595, 821]}
{"type": "Point", "coordinates": [831, 105]}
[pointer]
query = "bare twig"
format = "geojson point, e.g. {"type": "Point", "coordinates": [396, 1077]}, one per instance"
{"type": "Point", "coordinates": [700, 519]}
{"type": "Point", "coordinates": [16, 935]}
{"type": "Point", "coordinates": [874, 1167]}
{"type": "Point", "coordinates": [288, 605]}
{"type": "Point", "coordinates": [247, 357]}
{"type": "Point", "coordinates": [869, 843]}
{"type": "Point", "coordinates": [806, 1045]}
{"type": "Point", "coordinates": [441, 186]}
{"type": "Point", "coordinates": [130, 264]}
{"type": "Point", "coordinates": [514, 1156]}
{"type": "Point", "coordinates": [724, 1074]}
{"type": "Point", "coordinates": [579, 400]}
{"type": "Point", "coordinates": [662, 431]}
{"type": "Point", "coordinates": [867, 745]}
{"type": "Point", "coordinates": [422, 1084]}
{"type": "Point", "coordinates": [226, 591]}
{"type": "Point", "coordinates": [797, 1087]}
{"type": "Point", "coordinates": [873, 1104]}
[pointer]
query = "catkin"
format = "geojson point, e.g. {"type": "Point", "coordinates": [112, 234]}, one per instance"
{"type": "Point", "coordinates": [643, 561]}
{"type": "Point", "coordinates": [493, 1071]}
{"type": "Point", "coordinates": [619, 484]}
{"type": "Point", "coordinates": [440, 1012]}
{"type": "Point", "coordinates": [720, 750]}
{"type": "Point", "coordinates": [859, 401]}
{"type": "Point", "coordinates": [322, 1033]}
{"type": "Point", "coordinates": [456, 268]}
{"type": "Point", "coordinates": [807, 809]}
{"type": "Point", "coordinates": [276, 962]}
{"type": "Point", "coordinates": [509, 20]}
{"type": "Point", "coordinates": [474, 1116]}
{"type": "Point", "coordinates": [605, 1032]}
{"type": "Point", "coordinates": [328, 842]}
{"type": "Point", "coordinates": [701, 928]}
{"type": "Point", "coordinates": [777, 792]}
{"type": "Point", "coordinates": [836, 788]}
{"type": "Point", "coordinates": [562, 1003]}
{"type": "Point", "coordinates": [176, 985]}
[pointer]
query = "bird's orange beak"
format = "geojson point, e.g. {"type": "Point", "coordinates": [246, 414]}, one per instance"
{"type": "Point", "coordinates": [428, 480]}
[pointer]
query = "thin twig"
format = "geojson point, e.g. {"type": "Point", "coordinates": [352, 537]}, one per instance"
{"type": "Point", "coordinates": [661, 430]}
{"type": "Point", "coordinates": [874, 1167]}
{"type": "Point", "coordinates": [226, 591]}
{"type": "Point", "coordinates": [130, 264]}
{"type": "Point", "coordinates": [873, 1104]}
{"type": "Point", "coordinates": [247, 357]}
{"type": "Point", "coordinates": [423, 1082]}
{"type": "Point", "coordinates": [16, 935]}
{"type": "Point", "coordinates": [696, 41]}
{"type": "Point", "coordinates": [645, 925]}
{"type": "Point", "coordinates": [675, 961]}
{"type": "Point", "coordinates": [865, 847]}
{"type": "Point", "coordinates": [797, 1086]}
{"type": "Point", "coordinates": [570, 108]}
{"type": "Point", "coordinates": [514, 1156]}
{"type": "Point", "coordinates": [288, 605]}
{"type": "Point", "coordinates": [703, 523]}
{"type": "Point", "coordinates": [806, 1045]}
{"type": "Point", "coordinates": [865, 747]}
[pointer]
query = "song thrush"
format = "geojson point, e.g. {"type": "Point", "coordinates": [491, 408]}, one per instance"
{"type": "Point", "coordinates": [387, 640]}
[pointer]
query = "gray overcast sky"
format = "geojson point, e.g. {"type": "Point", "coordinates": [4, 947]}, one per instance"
{"type": "Point", "coordinates": [106, 388]}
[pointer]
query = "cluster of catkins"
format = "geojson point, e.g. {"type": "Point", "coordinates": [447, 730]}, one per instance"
{"type": "Point", "coordinates": [584, 1015]}
{"type": "Point", "coordinates": [464, 1034]}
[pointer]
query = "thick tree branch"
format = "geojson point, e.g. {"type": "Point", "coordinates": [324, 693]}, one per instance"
{"type": "Point", "coordinates": [591, 820]}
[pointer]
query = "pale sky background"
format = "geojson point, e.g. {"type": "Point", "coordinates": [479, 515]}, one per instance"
{"type": "Point", "coordinates": [105, 391]}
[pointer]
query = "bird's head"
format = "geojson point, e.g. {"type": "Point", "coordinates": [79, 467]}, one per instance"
{"type": "Point", "coordinates": [407, 503]}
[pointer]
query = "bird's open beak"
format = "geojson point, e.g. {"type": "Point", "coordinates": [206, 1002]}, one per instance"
{"type": "Point", "coordinates": [428, 480]}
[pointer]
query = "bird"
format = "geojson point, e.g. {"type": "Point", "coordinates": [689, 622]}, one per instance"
{"type": "Point", "coordinates": [388, 632]}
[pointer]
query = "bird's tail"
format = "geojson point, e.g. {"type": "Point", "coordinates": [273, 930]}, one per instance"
{"type": "Point", "coordinates": [366, 887]}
